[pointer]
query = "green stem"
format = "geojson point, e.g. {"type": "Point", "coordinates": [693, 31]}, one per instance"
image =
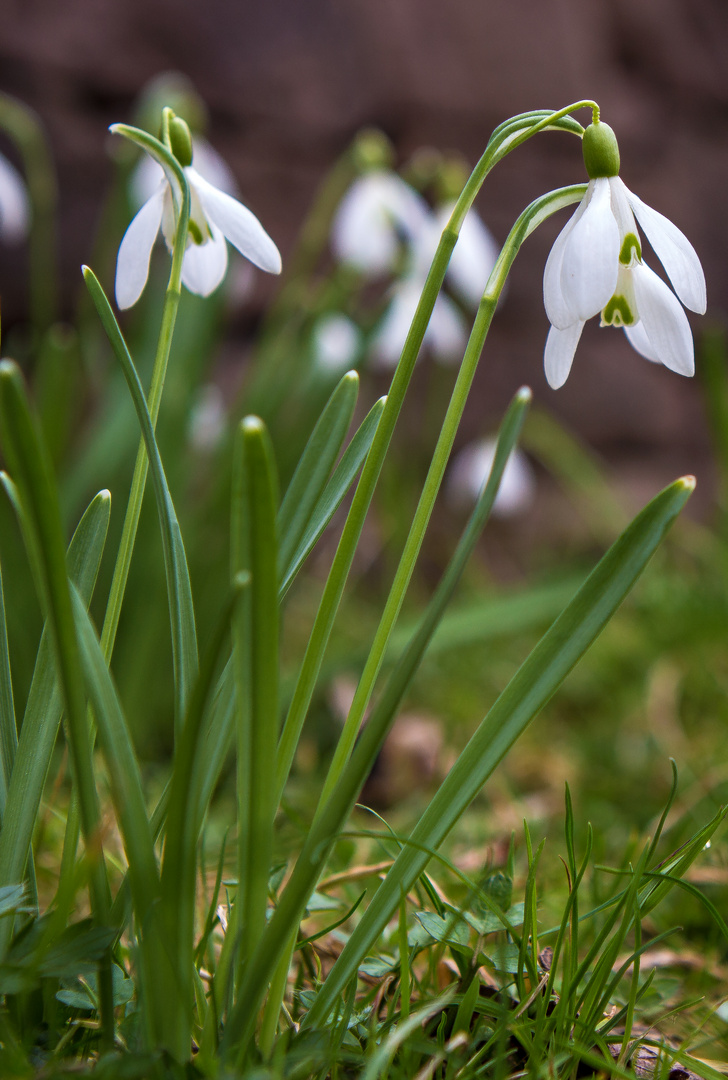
{"type": "Point", "coordinates": [164, 345]}
{"type": "Point", "coordinates": [503, 140]}
{"type": "Point", "coordinates": [523, 226]}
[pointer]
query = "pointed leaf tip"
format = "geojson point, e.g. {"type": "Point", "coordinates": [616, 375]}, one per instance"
{"type": "Point", "coordinates": [525, 395]}
{"type": "Point", "coordinates": [688, 482]}
{"type": "Point", "coordinates": [252, 424]}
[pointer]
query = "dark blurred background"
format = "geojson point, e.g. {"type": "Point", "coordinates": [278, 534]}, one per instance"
{"type": "Point", "coordinates": [289, 83]}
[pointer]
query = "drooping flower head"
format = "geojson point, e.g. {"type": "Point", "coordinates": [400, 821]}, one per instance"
{"type": "Point", "coordinates": [215, 217]}
{"type": "Point", "coordinates": [596, 265]}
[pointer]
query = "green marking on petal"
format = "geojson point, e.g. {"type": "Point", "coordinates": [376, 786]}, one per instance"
{"type": "Point", "coordinates": [196, 233]}
{"type": "Point", "coordinates": [618, 312]}
{"type": "Point", "coordinates": [631, 252]}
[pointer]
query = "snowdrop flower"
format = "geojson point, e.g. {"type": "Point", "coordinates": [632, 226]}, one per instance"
{"type": "Point", "coordinates": [207, 421]}
{"type": "Point", "coordinates": [14, 204]}
{"type": "Point", "coordinates": [215, 217]}
{"type": "Point", "coordinates": [596, 266]}
{"type": "Point", "coordinates": [377, 213]}
{"type": "Point", "coordinates": [471, 468]}
{"type": "Point", "coordinates": [380, 218]}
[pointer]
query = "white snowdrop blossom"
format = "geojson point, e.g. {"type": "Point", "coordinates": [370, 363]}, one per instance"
{"type": "Point", "coordinates": [596, 266]}
{"type": "Point", "coordinates": [215, 217]}
{"type": "Point", "coordinates": [377, 213]}
{"type": "Point", "coordinates": [471, 468]}
{"type": "Point", "coordinates": [382, 224]}
{"type": "Point", "coordinates": [14, 204]}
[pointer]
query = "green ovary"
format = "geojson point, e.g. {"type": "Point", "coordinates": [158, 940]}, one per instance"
{"type": "Point", "coordinates": [618, 312]}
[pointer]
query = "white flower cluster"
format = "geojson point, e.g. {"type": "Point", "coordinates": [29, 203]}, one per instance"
{"type": "Point", "coordinates": [383, 226]}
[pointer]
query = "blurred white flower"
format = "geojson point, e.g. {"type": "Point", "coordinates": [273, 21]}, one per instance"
{"type": "Point", "coordinates": [215, 217]}
{"type": "Point", "coordinates": [383, 223]}
{"type": "Point", "coordinates": [596, 265]}
{"type": "Point", "coordinates": [446, 334]}
{"type": "Point", "coordinates": [14, 204]}
{"type": "Point", "coordinates": [378, 213]}
{"type": "Point", "coordinates": [471, 468]}
{"type": "Point", "coordinates": [336, 343]}
{"type": "Point", "coordinates": [208, 419]}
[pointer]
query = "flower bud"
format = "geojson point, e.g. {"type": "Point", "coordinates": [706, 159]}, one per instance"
{"type": "Point", "coordinates": [372, 150]}
{"type": "Point", "coordinates": [180, 140]}
{"type": "Point", "coordinates": [601, 153]}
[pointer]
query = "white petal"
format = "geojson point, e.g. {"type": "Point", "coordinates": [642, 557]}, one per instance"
{"type": "Point", "coordinates": [14, 204]}
{"type": "Point", "coordinates": [559, 314]}
{"type": "Point", "coordinates": [664, 321]}
{"type": "Point", "coordinates": [145, 178]}
{"type": "Point", "coordinates": [204, 265]}
{"type": "Point", "coordinates": [377, 211]}
{"type": "Point", "coordinates": [208, 163]}
{"type": "Point", "coordinates": [336, 343]}
{"type": "Point", "coordinates": [447, 333]}
{"type": "Point", "coordinates": [471, 468]}
{"type": "Point", "coordinates": [591, 256]}
{"type": "Point", "coordinates": [474, 255]}
{"type": "Point", "coordinates": [132, 262]}
{"type": "Point", "coordinates": [394, 327]}
{"type": "Point", "coordinates": [238, 224]}
{"type": "Point", "coordinates": [559, 353]}
{"type": "Point", "coordinates": [637, 337]}
{"type": "Point", "coordinates": [676, 254]}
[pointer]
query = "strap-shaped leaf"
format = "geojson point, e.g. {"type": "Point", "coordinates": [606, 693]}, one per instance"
{"type": "Point", "coordinates": [333, 494]}
{"type": "Point", "coordinates": [44, 707]}
{"type": "Point", "coordinates": [526, 694]}
{"type": "Point", "coordinates": [315, 466]}
{"type": "Point", "coordinates": [179, 591]}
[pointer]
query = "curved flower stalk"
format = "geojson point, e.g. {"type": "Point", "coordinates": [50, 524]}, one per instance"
{"type": "Point", "coordinates": [382, 224]}
{"type": "Point", "coordinates": [596, 266]}
{"type": "Point", "coordinates": [216, 217]}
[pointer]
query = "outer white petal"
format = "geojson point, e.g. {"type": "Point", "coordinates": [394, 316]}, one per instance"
{"type": "Point", "coordinates": [664, 321]}
{"type": "Point", "coordinates": [675, 252]}
{"type": "Point", "coordinates": [637, 337]}
{"type": "Point", "coordinates": [204, 265]}
{"type": "Point", "coordinates": [559, 314]}
{"type": "Point", "coordinates": [14, 204]}
{"type": "Point", "coordinates": [376, 212]}
{"type": "Point", "coordinates": [208, 163]}
{"type": "Point", "coordinates": [132, 262]}
{"type": "Point", "coordinates": [238, 224]}
{"type": "Point", "coordinates": [590, 262]}
{"type": "Point", "coordinates": [559, 353]}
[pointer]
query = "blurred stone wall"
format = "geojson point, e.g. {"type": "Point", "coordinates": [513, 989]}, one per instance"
{"type": "Point", "coordinates": [288, 82]}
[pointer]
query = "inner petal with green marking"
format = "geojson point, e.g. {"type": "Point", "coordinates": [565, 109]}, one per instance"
{"type": "Point", "coordinates": [631, 251]}
{"type": "Point", "coordinates": [618, 312]}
